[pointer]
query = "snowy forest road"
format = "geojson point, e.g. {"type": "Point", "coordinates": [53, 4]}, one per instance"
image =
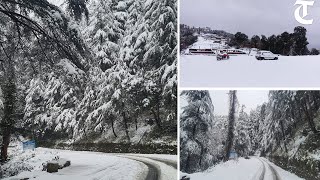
{"type": "Point", "coordinates": [97, 166]}
{"type": "Point", "coordinates": [153, 171]}
{"type": "Point", "coordinates": [159, 168]}
{"type": "Point", "coordinates": [275, 174]}
{"type": "Point", "coordinates": [263, 172]}
{"type": "Point", "coordinates": [254, 168]}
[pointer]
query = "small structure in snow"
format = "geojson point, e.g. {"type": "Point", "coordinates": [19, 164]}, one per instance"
{"type": "Point", "coordinates": [233, 155]}
{"type": "Point", "coordinates": [29, 145]}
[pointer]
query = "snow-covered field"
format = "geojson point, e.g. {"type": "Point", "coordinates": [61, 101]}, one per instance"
{"type": "Point", "coordinates": [94, 165]}
{"type": "Point", "coordinates": [244, 169]}
{"type": "Point", "coordinates": [245, 71]}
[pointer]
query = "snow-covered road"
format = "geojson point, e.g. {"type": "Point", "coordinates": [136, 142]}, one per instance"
{"type": "Point", "coordinates": [159, 168]}
{"type": "Point", "coordinates": [255, 168]}
{"type": "Point", "coordinates": [268, 171]}
{"type": "Point", "coordinates": [246, 71]}
{"type": "Point", "coordinates": [103, 166]}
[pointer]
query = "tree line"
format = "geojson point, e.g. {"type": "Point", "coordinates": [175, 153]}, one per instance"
{"type": "Point", "coordinates": [286, 44]}
{"type": "Point", "coordinates": [187, 37]}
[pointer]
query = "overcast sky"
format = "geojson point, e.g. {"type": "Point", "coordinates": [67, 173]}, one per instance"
{"type": "Point", "coordinates": [252, 17]}
{"type": "Point", "coordinates": [251, 99]}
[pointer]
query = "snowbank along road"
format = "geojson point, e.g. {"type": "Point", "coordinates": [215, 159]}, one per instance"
{"type": "Point", "coordinates": [102, 166]}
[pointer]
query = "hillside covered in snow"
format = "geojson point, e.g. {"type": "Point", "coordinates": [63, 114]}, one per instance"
{"type": "Point", "coordinates": [77, 74]}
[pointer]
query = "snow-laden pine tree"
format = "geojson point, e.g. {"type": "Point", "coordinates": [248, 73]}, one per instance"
{"type": "Point", "coordinates": [242, 143]}
{"type": "Point", "coordinates": [256, 118]}
{"type": "Point", "coordinates": [103, 33]}
{"type": "Point", "coordinates": [159, 61]}
{"type": "Point", "coordinates": [196, 123]}
{"type": "Point", "coordinates": [233, 102]}
{"type": "Point", "coordinates": [276, 121]}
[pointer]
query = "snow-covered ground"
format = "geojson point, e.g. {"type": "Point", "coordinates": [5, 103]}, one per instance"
{"type": "Point", "coordinates": [244, 169]}
{"type": "Point", "coordinates": [94, 165]}
{"type": "Point", "coordinates": [246, 71]}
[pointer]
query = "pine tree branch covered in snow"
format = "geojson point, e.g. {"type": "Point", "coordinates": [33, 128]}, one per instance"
{"type": "Point", "coordinates": [110, 76]}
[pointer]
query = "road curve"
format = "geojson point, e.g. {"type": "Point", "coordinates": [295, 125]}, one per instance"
{"type": "Point", "coordinates": [154, 169]}
{"type": "Point", "coordinates": [167, 162]}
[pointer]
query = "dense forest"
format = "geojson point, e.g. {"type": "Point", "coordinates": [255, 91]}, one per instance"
{"type": "Point", "coordinates": [285, 129]}
{"type": "Point", "coordinates": [88, 70]}
{"type": "Point", "coordinates": [287, 44]}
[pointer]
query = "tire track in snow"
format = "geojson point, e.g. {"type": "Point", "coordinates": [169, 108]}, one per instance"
{"type": "Point", "coordinates": [275, 174]}
{"type": "Point", "coordinates": [153, 171]}
{"type": "Point", "coordinates": [261, 177]}
{"type": "Point", "coordinates": [167, 162]}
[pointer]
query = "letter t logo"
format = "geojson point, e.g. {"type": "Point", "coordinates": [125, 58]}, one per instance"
{"type": "Point", "coordinates": [304, 7]}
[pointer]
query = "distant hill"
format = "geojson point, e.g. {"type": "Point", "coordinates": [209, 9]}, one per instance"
{"type": "Point", "coordinates": [184, 28]}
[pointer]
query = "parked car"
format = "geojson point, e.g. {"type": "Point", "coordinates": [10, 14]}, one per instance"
{"type": "Point", "coordinates": [222, 55]}
{"type": "Point", "coordinates": [266, 55]}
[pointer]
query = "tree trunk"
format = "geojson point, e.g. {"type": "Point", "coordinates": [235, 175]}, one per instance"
{"type": "Point", "coordinates": [187, 166]}
{"type": "Point", "coordinates": [156, 111]}
{"type": "Point", "coordinates": [125, 121]}
{"type": "Point", "coordinates": [155, 116]}
{"type": "Point", "coordinates": [5, 144]}
{"type": "Point", "coordinates": [158, 114]}
{"type": "Point", "coordinates": [136, 122]}
{"type": "Point", "coordinates": [9, 94]}
{"type": "Point", "coordinates": [201, 153]}
{"type": "Point", "coordinates": [112, 126]}
{"type": "Point", "coordinates": [229, 143]}
{"type": "Point", "coordinates": [283, 136]}
{"type": "Point", "coordinates": [309, 117]}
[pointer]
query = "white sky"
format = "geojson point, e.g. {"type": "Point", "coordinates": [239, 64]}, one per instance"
{"type": "Point", "coordinates": [252, 17]}
{"type": "Point", "coordinates": [251, 99]}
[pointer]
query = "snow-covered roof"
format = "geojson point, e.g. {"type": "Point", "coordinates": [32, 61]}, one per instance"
{"type": "Point", "coordinates": [203, 43]}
